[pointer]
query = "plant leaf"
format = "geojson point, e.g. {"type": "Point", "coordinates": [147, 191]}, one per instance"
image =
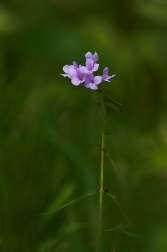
{"type": "Point", "coordinates": [120, 208]}
{"type": "Point", "coordinates": [106, 88]}
{"type": "Point", "coordinates": [121, 226]}
{"type": "Point", "coordinates": [136, 236]}
{"type": "Point", "coordinates": [112, 163]}
{"type": "Point", "coordinates": [112, 99]}
{"type": "Point", "coordinates": [70, 203]}
{"type": "Point", "coordinates": [113, 106]}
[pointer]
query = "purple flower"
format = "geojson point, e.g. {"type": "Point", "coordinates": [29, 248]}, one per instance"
{"type": "Point", "coordinates": [94, 57]}
{"type": "Point", "coordinates": [92, 81]}
{"type": "Point", "coordinates": [70, 69]}
{"type": "Point", "coordinates": [90, 67]}
{"type": "Point", "coordinates": [73, 72]}
{"type": "Point", "coordinates": [91, 62]}
{"type": "Point", "coordinates": [76, 76]}
{"type": "Point", "coordinates": [79, 74]}
{"type": "Point", "coordinates": [105, 76]}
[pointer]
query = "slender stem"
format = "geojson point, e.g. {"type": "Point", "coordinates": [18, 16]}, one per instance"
{"type": "Point", "coordinates": [102, 161]}
{"type": "Point", "coordinates": [101, 172]}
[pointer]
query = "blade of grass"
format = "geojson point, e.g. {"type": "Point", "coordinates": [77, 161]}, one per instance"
{"type": "Point", "coordinates": [70, 203]}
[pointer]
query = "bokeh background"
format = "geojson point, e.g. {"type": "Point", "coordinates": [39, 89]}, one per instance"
{"type": "Point", "coordinates": [48, 127]}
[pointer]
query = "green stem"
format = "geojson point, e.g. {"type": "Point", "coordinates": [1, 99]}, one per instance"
{"type": "Point", "coordinates": [101, 171]}
{"type": "Point", "coordinates": [102, 161]}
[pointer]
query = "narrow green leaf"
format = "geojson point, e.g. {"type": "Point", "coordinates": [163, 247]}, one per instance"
{"type": "Point", "coordinates": [113, 106]}
{"type": "Point", "coordinates": [120, 208]}
{"type": "Point", "coordinates": [108, 230]}
{"type": "Point", "coordinates": [94, 150]}
{"type": "Point", "coordinates": [122, 226]}
{"type": "Point", "coordinates": [62, 197]}
{"type": "Point", "coordinates": [106, 88]}
{"type": "Point", "coordinates": [95, 96]}
{"type": "Point", "coordinates": [125, 226]}
{"type": "Point", "coordinates": [70, 203]}
{"type": "Point", "coordinates": [108, 96]}
{"type": "Point", "coordinates": [112, 163]}
{"type": "Point", "coordinates": [136, 236]}
{"type": "Point", "coordinates": [119, 227]}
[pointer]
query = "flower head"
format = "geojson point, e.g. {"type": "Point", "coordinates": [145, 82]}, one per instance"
{"type": "Point", "coordinates": [79, 74]}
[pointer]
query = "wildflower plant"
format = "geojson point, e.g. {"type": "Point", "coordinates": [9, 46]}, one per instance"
{"type": "Point", "coordinates": [85, 75]}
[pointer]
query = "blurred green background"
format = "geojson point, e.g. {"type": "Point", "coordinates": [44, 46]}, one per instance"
{"type": "Point", "coordinates": [48, 127]}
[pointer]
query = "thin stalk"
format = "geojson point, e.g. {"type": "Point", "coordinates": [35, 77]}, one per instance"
{"type": "Point", "coordinates": [102, 161]}
{"type": "Point", "coordinates": [101, 170]}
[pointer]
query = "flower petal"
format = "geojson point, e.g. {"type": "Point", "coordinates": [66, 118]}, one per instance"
{"type": "Point", "coordinates": [97, 80]}
{"type": "Point", "coordinates": [88, 55]}
{"type": "Point", "coordinates": [93, 86]}
{"type": "Point", "coordinates": [75, 64]}
{"type": "Point", "coordinates": [66, 68]}
{"type": "Point", "coordinates": [75, 81]}
{"type": "Point", "coordinates": [83, 70]}
{"type": "Point", "coordinates": [86, 85]}
{"type": "Point", "coordinates": [89, 64]}
{"type": "Point", "coordinates": [89, 78]}
{"type": "Point", "coordinates": [95, 57]}
{"type": "Point", "coordinates": [65, 75]}
{"type": "Point", "coordinates": [72, 72]}
{"type": "Point", "coordinates": [95, 68]}
{"type": "Point", "coordinates": [105, 71]}
{"type": "Point", "coordinates": [112, 76]}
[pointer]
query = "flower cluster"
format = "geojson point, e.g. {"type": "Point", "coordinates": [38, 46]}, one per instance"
{"type": "Point", "coordinates": [85, 74]}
